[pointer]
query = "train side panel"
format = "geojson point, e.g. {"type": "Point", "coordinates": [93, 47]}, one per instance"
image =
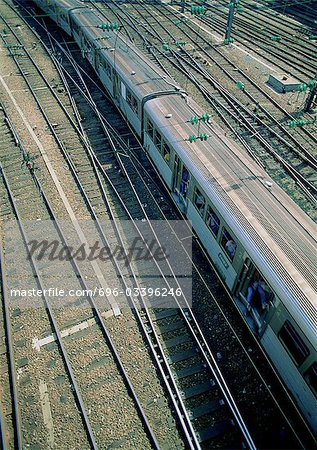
{"type": "Point", "coordinates": [292, 377]}
{"type": "Point", "coordinates": [215, 251]}
{"type": "Point", "coordinates": [129, 104]}
{"type": "Point", "coordinates": [128, 81]}
{"type": "Point", "coordinates": [162, 166]}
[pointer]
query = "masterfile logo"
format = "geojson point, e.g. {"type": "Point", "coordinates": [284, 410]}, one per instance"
{"type": "Point", "coordinates": [127, 263]}
{"type": "Point", "coordinates": [138, 250]}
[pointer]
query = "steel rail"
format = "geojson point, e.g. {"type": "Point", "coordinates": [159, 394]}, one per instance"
{"type": "Point", "coordinates": [16, 420]}
{"type": "Point", "coordinates": [2, 431]}
{"type": "Point", "coordinates": [210, 21]}
{"type": "Point", "coordinates": [299, 179]}
{"type": "Point", "coordinates": [245, 351]}
{"type": "Point", "coordinates": [36, 272]}
{"type": "Point", "coordinates": [305, 155]}
{"type": "Point", "coordinates": [193, 435]}
{"type": "Point", "coordinates": [105, 331]}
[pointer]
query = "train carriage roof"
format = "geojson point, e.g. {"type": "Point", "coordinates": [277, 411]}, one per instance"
{"type": "Point", "coordinates": [65, 4]}
{"type": "Point", "coordinates": [276, 233]}
{"type": "Point", "coordinates": [136, 70]}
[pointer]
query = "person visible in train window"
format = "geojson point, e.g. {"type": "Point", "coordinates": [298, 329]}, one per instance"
{"type": "Point", "coordinates": [200, 202]}
{"type": "Point", "coordinates": [251, 291]}
{"type": "Point", "coordinates": [231, 248]}
{"type": "Point", "coordinates": [257, 286]}
{"type": "Point", "coordinates": [184, 182]}
{"type": "Point", "coordinates": [213, 222]}
{"type": "Point", "coordinates": [262, 294]}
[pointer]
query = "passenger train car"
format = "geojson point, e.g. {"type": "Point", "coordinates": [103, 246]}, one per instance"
{"type": "Point", "coordinates": [262, 244]}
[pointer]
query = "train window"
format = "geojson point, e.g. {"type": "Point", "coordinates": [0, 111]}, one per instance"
{"type": "Point", "coordinates": [87, 44]}
{"type": "Point", "coordinates": [50, 4]}
{"type": "Point", "coordinates": [166, 152]}
{"type": "Point", "coordinates": [228, 243]}
{"type": "Point", "coordinates": [212, 221]}
{"type": "Point", "coordinates": [184, 182]}
{"type": "Point", "coordinates": [132, 101]}
{"type": "Point", "coordinates": [293, 343]}
{"type": "Point", "coordinates": [62, 15]}
{"type": "Point", "coordinates": [150, 128]}
{"type": "Point", "coordinates": [310, 376]}
{"type": "Point", "coordinates": [199, 201]}
{"type": "Point", "coordinates": [75, 27]}
{"type": "Point", "coordinates": [157, 139]}
{"type": "Point", "coordinates": [107, 68]}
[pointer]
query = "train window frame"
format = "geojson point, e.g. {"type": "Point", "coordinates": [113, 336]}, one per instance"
{"type": "Point", "coordinates": [50, 4]}
{"type": "Point", "coordinates": [225, 246]}
{"type": "Point", "coordinates": [132, 101]}
{"type": "Point", "coordinates": [166, 152]}
{"type": "Point", "coordinates": [62, 15]}
{"type": "Point", "coordinates": [150, 128]}
{"type": "Point", "coordinates": [211, 212]}
{"type": "Point", "coordinates": [201, 209]}
{"type": "Point", "coordinates": [292, 332]}
{"type": "Point", "coordinates": [75, 27]}
{"type": "Point", "coordinates": [157, 144]}
{"type": "Point", "coordinates": [87, 44]}
{"type": "Point", "coordinates": [106, 67]}
{"type": "Point", "coordinates": [306, 374]}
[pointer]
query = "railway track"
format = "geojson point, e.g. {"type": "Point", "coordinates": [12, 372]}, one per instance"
{"type": "Point", "coordinates": [96, 361]}
{"type": "Point", "coordinates": [303, 11]}
{"type": "Point", "coordinates": [252, 89]}
{"type": "Point", "coordinates": [125, 159]}
{"type": "Point", "coordinates": [286, 53]}
{"type": "Point", "coordinates": [9, 410]}
{"type": "Point", "coordinates": [258, 130]}
{"type": "Point", "coordinates": [10, 427]}
{"type": "Point", "coordinates": [192, 361]}
{"type": "Point", "coordinates": [82, 168]}
{"type": "Point", "coordinates": [26, 398]}
{"type": "Point", "coordinates": [93, 401]}
{"type": "Point", "coordinates": [124, 197]}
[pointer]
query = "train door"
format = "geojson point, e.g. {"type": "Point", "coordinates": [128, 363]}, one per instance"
{"type": "Point", "coordinates": [181, 178]}
{"type": "Point", "coordinates": [175, 172]}
{"type": "Point", "coordinates": [116, 85]}
{"type": "Point", "coordinates": [245, 278]}
{"type": "Point", "coordinates": [253, 290]}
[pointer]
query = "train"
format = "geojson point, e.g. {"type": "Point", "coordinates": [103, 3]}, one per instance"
{"type": "Point", "coordinates": [260, 242]}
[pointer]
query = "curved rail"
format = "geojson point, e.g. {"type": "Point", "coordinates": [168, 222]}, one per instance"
{"type": "Point", "coordinates": [12, 371]}
{"type": "Point", "coordinates": [122, 370]}
{"type": "Point", "coordinates": [238, 114]}
{"type": "Point", "coordinates": [35, 270]}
